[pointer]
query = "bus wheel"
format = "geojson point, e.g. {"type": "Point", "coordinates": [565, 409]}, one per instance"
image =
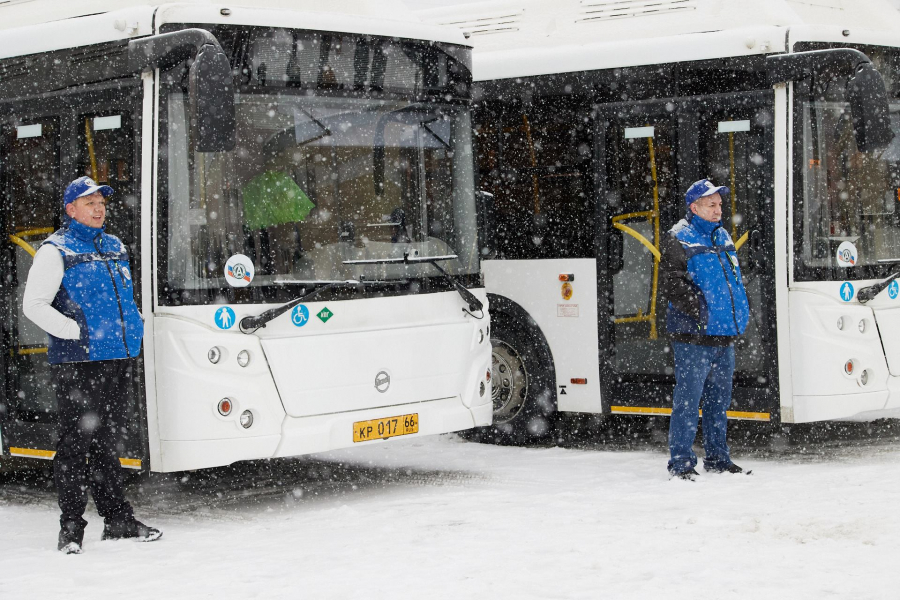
{"type": "Point", "coordinates": [522, 387]}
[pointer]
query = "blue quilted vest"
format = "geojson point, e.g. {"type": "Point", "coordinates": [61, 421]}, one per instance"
{"type": "Point", "coordinates": [712, 264]}
{"type": "Point", "coordinates": [98, 293]}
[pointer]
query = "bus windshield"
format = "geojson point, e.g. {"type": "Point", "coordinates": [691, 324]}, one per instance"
{"type": "Point", "coordinates": [850, 211]}
{"type": "Point", "coordinates": [317, 179]}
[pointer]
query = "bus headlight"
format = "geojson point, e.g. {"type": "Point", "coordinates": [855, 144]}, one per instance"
{"type": "Point", "coordinates": [214, 354]}
{"type": "Point", "coordinates": [863, 325]}
{"type": "Point", "coordinates": [864, 377]}
{"type": "Point", "coordinates": [246, 419]}
{"type": "Point", "coordinates": [840, 323]}
{"type": "Point", "coordinates": [243, 359]}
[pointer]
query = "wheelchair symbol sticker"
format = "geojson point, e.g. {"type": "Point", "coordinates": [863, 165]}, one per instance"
{"type": "Point", "coordinates": [224, 318]}
{"type": "Point", "coordinates": [894, 290]}
{"type": "Point", "coordinates": [300, 315]}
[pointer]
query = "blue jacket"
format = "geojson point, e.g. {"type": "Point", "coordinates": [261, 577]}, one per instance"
{"type": "Point", "coordinates": [707, 298]}
{"type": "Point", "coordinates": [98, 293]}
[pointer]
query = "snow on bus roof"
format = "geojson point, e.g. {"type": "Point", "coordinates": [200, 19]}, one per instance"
{"type": "Point", "coordinates": [518, 38]}
{"type": "Point", "coordinates": [32, 26]}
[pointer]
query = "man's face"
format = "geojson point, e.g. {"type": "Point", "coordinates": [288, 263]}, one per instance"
{"type": "Point", "coordinates": [90, 210]}
{"type": "Point", "coordinates": [708, 208]}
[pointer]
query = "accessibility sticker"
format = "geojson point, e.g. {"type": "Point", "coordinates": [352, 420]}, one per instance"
{"type": "Point", "coordinates": [325, 314]}
{"type": "Point", "coordinates": [894, 290]}
{"type": "Point", "coordinates": [847, 291]}
{"type": "Point", "coordinates": [300, 315]}
{"type": "Point", "coordinates": [224, 318]}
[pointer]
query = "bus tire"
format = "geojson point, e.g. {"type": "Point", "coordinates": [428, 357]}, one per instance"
{"type": "Point", "coordinates": [523, 385]}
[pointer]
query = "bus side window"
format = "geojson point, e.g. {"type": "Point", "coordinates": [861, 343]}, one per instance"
{"type": "Point", "coordinates": [536, 163]}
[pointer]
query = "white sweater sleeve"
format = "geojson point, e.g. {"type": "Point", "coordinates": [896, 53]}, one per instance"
{"type": "Point", "coordinates": [44, 280]}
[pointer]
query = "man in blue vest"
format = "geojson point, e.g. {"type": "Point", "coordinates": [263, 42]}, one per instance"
{"type": "Point", "coordinates": [80, 292]}
{"type": "Point", "coordinates": [707, 311]}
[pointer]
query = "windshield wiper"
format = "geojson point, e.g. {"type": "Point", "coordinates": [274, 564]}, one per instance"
{"type": "Point", "coordinates": [251, 324]}
{"type": "Point", "coordinates": [407, 259]}
{"type": "Point", "coordinates": [867, 293]}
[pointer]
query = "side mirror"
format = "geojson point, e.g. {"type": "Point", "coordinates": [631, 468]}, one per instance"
{"type": "Point", "coordinates": [485, 210]}
{"type": "Point", "coordinates": [869, 108]}
{"type": "Point", "coordinates": [615, 251]}
{"type": "Point", "coordinates": [865, 88]}
{"type": "Point", "coordinates": [211, 101]}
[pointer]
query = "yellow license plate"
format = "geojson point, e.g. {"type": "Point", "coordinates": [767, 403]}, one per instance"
{"type": "Point", "coordinates": [382, 429]}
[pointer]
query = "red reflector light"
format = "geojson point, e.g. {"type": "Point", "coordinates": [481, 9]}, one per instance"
{"type": "Point", "coordinates": [487, 375]}
{"type": "Point", "coordinates": [225, 407]}
{"type": "Point", "coordinates": [579, 380]}
{"type": "Point", "coordinates": [567, 277]}
{"type": "Point", "coordinates": [848, 367]}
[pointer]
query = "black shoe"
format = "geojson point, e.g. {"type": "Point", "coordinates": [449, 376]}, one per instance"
{"type": "Point", "coordinates": [70, 540]}
{"type": "Point", "coordinates": [732, 468]}
{"type": "Point", "coordinates": [120, 530]}
{"type": "Point", "coordinates": [689, 475]}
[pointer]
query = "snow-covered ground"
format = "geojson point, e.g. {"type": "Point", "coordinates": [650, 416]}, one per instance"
{"type": "Point", "coordinates": [444, 518]}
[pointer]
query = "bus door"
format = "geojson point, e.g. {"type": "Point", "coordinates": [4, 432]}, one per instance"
{"type": "Point", "coordinates": [638, 201]}
{"type": "Point", "coordinates": [728, 138]}
{"type": "Point", "coordinates": [648, 155]}
{"type": "Point", "coordinates": [45, 144]}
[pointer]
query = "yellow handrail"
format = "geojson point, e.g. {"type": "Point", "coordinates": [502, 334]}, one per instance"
{"type": "Point", "coordinates": [534, 177]}
{"type": "Point", "coordinates": [652, 315]}
{"type": "Point", "coordinates": [733, 193]}
{"type": "Point", "coordinates": [646, 214]}
{"type": "Point", "coordinates": [24, 233]}
{"type": "Point", "coordinates": [740, 242]}
{"type": "Point", "coordinates": [90, 145]}
{"type": "Point", "coordinates": [636, 235]}
{"type": "Point", "coordinates": [22, 244]}
{"type": "Point", "coordinates": [18, 238]}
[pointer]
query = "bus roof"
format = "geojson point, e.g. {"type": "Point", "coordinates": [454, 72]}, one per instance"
{"type": "Point", "coordinates": [33, 26]}
{"type": "Point", "coordinates": [518, 38]}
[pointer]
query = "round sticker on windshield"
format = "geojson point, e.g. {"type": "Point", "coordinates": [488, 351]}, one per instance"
{"type": "Point", "coordinates": [239, 271]}
{"type": "Point", "coordinates": [847, 254]}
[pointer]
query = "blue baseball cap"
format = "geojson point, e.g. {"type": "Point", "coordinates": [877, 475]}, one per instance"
{"type": "Point", "coordinates": [84, 186]}
{"type": "Point", "coordinates": [702, 189]}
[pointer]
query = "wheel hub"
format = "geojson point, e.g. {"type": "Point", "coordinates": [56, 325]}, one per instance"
{"type": "Point", "coordinates": [509, 383]}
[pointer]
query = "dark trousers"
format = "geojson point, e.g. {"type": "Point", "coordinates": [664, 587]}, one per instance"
{"type": "Point", "coordinates": [92, 399]}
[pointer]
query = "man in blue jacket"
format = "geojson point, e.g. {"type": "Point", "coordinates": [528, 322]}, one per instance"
{"type": "Point", "coordinates": [80, 292]}
{"type": "Point", "coordinates": [707, 311]}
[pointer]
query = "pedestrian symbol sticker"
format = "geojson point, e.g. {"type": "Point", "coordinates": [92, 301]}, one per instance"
{"type": "Point", "coordinates": [325, 314]}
{"type": "Point", "coordinates": [894, 290]}
{"type": "Point", "coordinates": [224, 318]}
{"type": "Point", "coordinates": [300, 315]}
{"type": "Point", "coordinates": [847, 291]}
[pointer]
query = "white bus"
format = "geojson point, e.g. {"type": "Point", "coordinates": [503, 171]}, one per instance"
{"type": "Point", "coordinates": [296, 190]}
{"type": "Point", "coordinates": [592, 119]}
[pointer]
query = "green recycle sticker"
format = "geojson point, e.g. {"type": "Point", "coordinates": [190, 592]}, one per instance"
{"type": "Point", "coordinates": [325, 314]}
